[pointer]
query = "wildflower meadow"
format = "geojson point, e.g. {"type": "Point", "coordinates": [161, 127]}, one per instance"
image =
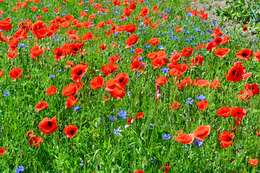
{"type": "Point", "coordinates": [129, 86]}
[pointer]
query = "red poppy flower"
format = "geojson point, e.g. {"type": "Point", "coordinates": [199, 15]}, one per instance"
{"type": "Point", "coordinates": [1, 73]}
{"type": "Point", "coordinates": [35, 52]}
{"type": "Point", "coordinates": [2, 151]}
{"type": "Point", "coordinates": [224, 112]}
{"type": "Point", "coordinates": [70, 89]}
{"type": "Point", "coordinates": [131, 28]}
{"type": "Point", "coordinates": [5, 24]}
{"type": "Point", "coordinates": [132, 39]}
{"type": "Point", "coordinates": [221, 52]}
{"type": "Point", "coordinates": [41, 105]}
{"type": "Point", "coordinates": [71, 101]}
{"type": "Point", "coordinates": [144, 11]}
{"type": "Point", "coordinates": [184, 83]}
{"type": "Point", "coordinates": [202, 105]}
{"type": "Point", "coordinates": [198, 60]}
{"type": "Point", "coordinates": [15, 73]}
{"type": "Point", "coordinates": [154, 41]}
{"type": "Point", "coordinates": [215, 84]}
{"type": "Point", "coordinates": [175, 105]}
{"type": "Point", "coordinates": [122, 79]}
{"type": "Point", "coordinates": [187, 51]}
{"type": "Point", "coordinates": [202, 132]}
{"type": "Point", "coordinates": [244, 54]}
{"type": "Point", "coordinates": [48, 125]}
{"type": "Point", "coordinates": [254, 88]}
{"type": "Point", "coordinates": [139, 115]}
{"type": "Point", "coordinates": [235, 74]}
{"type": "Point", "coordinates": [97, 82]}
{"type": "Point", "coordinates": [51, 90]}
{"type": "Point", "coordinates": [109, 68]}
{"type": "Point", "coordinates": [185, 138]}
{"type": "Point", "coordinates": [78, 71]}
{"type": "Point", "coordinates": [178, 70]}
{"type": "Point", "coordinates": [35, 141]}
{"type": "Point", "coordinates": [200, 83]}
{"type": "Point", "coordinates": [161, 80]}
{"type": "Point", "coordinates": [257, 56]}
{"type": "Point", "coordinates": [39, 29]}
{"type": "Point", "coordinates": [238, 112]}
{"type": "Point", "coordinates": [139, 171]}
{"type": "Point", "coordinates": [118, 93]}
{"type": "Point", "coordinates": [253, 162]}
{"type": "Point", "coordinates": [58, 54]}
{"type": "Point", "coordinates": [226, 139]}
{"type": "Point", "coordinates": [70, 131]}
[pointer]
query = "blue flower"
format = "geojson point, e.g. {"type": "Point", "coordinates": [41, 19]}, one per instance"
{"type": "Point", "coordinates": [52, 76]}
{"type": "Point", "coordinates": [6, 93]}
{"type": "Point", "coordinates": [147, 46]}
{"type": "Point", "coordinates": [160, 47]}
{"type": "Point", "coordinates": [200, 97]}
{"type": "Point", "coordinates": [76, 108]}
{"type": "Point", "coordinates": [132, 51]}
{"type": "Point", "coordinates": [189, 14]}
{"type": "Point", "coordinates": [173, 37]}
{"type": "Point", "coordinates": [165, 70]}
{"type": "Point", "coordinates": [189, 101]}
{"type": "Point", "coordinates": [166, 136]}
{"type": "Point", "coordinates": [122, 114]}
{"type": "Point", "coordinates": [112, 118]}
{"type": "Point", "coordinates": [21, 45]}
{"type": "Point", "coordinates": [19, 169]}
{"type": "Point", "coordinates": [197, 29]}
{"type": "Point", "coordinates": [198, 142]}
{"type": "Point", "coordinates": [117, 131]}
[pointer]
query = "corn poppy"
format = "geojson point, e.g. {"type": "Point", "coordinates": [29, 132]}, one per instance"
{"type": "Point", "coordinates": [78, 71]}
{"type": "Point", "coordinates": [226, 139]}
{"type": "Point", "coordinates": [221, 52]}
{"type": "Point", "coordinates": [235, 74]}
{"type": "Point", "coordinates": [244, 54]}
{"type": "Point", "coordinates": [257, 56]}
{"type": "Point", "coordinates": [15, 73]}
{"type": "Point", "coordinates": [224, 112]}
{"type": "Point", "coordinates": [41, 105]}
{"type": "Point", "coordinates": [2, 151]}
{"type": "Point", "coordinates": [71, 101]}
{"type": "Point", "coordinates": [70, 89]}
{"type": "Point", "coordinates": [35, 52]}
{"type": "Point", "coordinates": [253, 162]}
{"type": "Point", "coordinates": [202, 132]}
{"type": "Point", "coordinates": [5, 24]}
{"type": "Point", "coordinates": [202, 105]}
{"type": "Point", "coordinates": [50, 91]}
{"type": "Point", "coordinates": [97, 82]}
{"type": "Point", "coordinates": [161, 80]}
{"type": "Point", "coordinates": [184, 138]}
{"type": "Point", "coordinates": [48, 125]}
{"type": "Point", "coordinates": [39, 29]}
{"type": "Point", "coordinates": [132, 39]}
{"type": "Point", "coordinates": [70, 131]}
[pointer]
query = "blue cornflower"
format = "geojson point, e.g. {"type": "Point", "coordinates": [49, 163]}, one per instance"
{"type": "Point", "coordinates": [116, 34]}
{"type": "Point", "coordinates": [117, 131]}
{"type": "Point", "coordinates": [140, 59]}
{"type": "Point", "coordinates": [189, 101]}
{"type": "Point", "coordinates": [52, 76]}
{"type": "Point", "coordinates": [160, 47]}
{"type": "Point", "coordinates": [122, 114]}
{"type": "Point", "coordinates": [19, 169]}
{"type": "Point", "coordinates": [132, 51]}
{"type": "Point", "coordinates": [198, 142]}
{"type": "Point", "coordinates": [165, 70]}
{"type": "Point", "coordinates": [112, 118]}
{"type": "Point", "coordinates": [60, 71]}
{"type": "Point", "coordinates": [147, 46]}
{"type": "Point", "coordinates": [6, 93]}
{"type": "Point", "coordinates": [76, 108]}
{"type": "Point", "coordinates": [21, 45]}
{"type": "Point", "coordinates": [214, 22]}
{"type": "Point", "coordinates": [197, 29]}
{"type": "Point", "coordinates": [173, 37]}
{"type": "Point", "coordinates": [200, 97]}
{"type": "Point", "coordinates": [166, 136]}
{"type": "Point", "coordinates": [189, 14]}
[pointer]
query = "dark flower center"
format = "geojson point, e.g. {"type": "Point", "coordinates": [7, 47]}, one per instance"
{"type": "Point", "coordinates": [49, 124]}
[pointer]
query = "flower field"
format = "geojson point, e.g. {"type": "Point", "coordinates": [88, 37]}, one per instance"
{"type": "Point", "coordinates": [126, 86]}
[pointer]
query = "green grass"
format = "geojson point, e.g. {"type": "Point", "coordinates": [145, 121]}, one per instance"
{"type": "Point", "coordinates": [140, 146]}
